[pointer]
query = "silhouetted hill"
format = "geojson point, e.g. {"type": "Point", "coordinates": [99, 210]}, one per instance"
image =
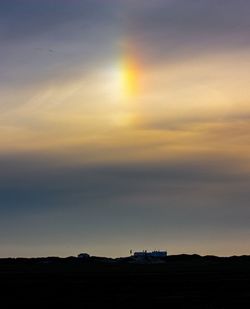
{"type": "Point", "coordinates": [123, 260]}
{"type": "Point", "coordinates": [177, 281]}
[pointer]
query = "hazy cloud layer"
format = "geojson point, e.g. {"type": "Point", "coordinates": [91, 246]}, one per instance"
{"type": "Point", "coordinates": [41, 40]}
{"type": "Point", "coordinates": [166, 30]}
{"type": "Point", "coordinates": [85, 204]}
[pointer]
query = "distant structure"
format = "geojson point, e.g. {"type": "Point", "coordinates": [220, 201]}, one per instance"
{"type": "Point", "coordinates": [154, 254]}
{"type": "Point", "coordinates": [83, 256]}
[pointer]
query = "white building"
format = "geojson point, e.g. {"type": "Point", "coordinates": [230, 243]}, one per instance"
{"type": "Point", "coordinates": [145, 253]}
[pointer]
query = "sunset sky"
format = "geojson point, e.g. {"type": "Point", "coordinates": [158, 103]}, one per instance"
{"type": "Point", "coordinates": [124, 124]}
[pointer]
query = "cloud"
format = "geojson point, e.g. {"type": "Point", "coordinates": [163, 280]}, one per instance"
{"type": "Point", "coordinates": [31, 181]}
{"type": "Point", "coordinates": [199, 123]}
{"type": "Point", "coordinates": [26, 19]}
{"type": "Point", "coordinates": [169, 30]}
{"type": "Point", "coordinates": [82, 33]}
{"type": "Point", "coordinates": [140, 204]}
{"type": "Point", "coordinates": [85, 33]}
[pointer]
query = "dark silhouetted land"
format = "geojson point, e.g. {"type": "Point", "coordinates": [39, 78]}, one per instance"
{"type": "Point", "coordinates": [182, 281]}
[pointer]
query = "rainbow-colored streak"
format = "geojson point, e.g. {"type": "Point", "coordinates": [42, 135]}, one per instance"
{"type": "Point", "coordinates": [130, 76]}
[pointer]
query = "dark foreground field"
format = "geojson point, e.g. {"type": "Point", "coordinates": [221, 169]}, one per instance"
{"type": "Point", "coordinates": [180, 282]}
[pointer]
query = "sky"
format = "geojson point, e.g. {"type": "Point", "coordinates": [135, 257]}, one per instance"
{"type": "Point", "coordinates": [124, 125]}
